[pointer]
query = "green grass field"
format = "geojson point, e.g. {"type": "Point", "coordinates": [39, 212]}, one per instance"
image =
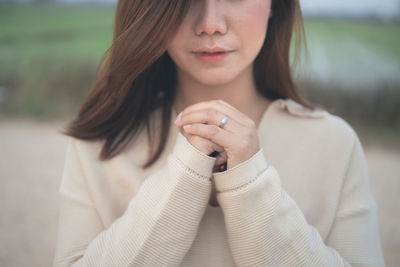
{"type": "Point", "coordinates": [53, 33]}
{"type": "Point", "coordinates": [49, 53]}
{"type": "Point", "coordinates": [381, 38]}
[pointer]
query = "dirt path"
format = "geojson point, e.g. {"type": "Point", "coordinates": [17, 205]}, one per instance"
{"type": "Point", "coordinates": [31, 162]}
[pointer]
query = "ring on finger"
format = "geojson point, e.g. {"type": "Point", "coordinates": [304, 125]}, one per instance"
{"type": "Point", "coordinates": [223, 121]}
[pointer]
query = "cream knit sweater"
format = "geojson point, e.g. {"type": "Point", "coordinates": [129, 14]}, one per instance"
{"type": "Point", "coordinates": [302, 200]}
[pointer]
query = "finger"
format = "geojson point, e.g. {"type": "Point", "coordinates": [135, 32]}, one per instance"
{"type": "Point", "coordinates": [216, 147]}
{"type": "Point", "coordinates": [222, 107]}
{"type": "Point", "coordinates": [218, 168]}
{"type": "Point", "coordinates": [211, 116]}
{"type": "Point", "coordinates": [199, 141]}
{"type": "Point", "coordinates": [213, 133]}
{"type": "Point", "coordinates": [221, 158]}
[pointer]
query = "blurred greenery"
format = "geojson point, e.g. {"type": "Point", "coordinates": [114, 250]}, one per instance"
{"type": "Point", "coordinates": [49, 55]}
{"type": "Point", "coordinates": [53, 32]}
{"type": "Point", "coordinates": [379, 37]}
{"type": "Point", "coordinates": [374, 114]}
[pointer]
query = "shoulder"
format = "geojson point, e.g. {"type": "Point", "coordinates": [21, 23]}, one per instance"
{"type": "Point", "coordinates": [315, 116]}
{"type": "Point", "coordinates": [83, 151]}
{"type": "Point", "coordinates": [88, 151]}
{"type": "Point", "coordinates": [317, 123]}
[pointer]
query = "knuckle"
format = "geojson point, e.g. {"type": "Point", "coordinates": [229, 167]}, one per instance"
{"type": "Point", "coordinates": [195, 139]}
{"type": "Point", "coordinates": [211, 112]}
{"type": "Point", "coordinates": [249, 132]}
{"type": "Point", "coordinates": [252, 124]}
{"type": "Point", "coordinates": [214, 130]}
{"type": "Point", "coordinates": [243, 144]}
{"type": "Point", "coordinates": [209, 147]}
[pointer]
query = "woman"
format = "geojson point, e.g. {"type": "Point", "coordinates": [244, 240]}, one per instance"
{"type": "Point", "coordinates": [248, 173]}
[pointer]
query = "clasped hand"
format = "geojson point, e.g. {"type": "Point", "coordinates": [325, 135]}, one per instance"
{"type": "Point", "coordinates": [236, 142]}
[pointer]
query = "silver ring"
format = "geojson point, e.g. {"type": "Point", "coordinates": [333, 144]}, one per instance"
{"type": "Point", "coordinates": [223, 121]}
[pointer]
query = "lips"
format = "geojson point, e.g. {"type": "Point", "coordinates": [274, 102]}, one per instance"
{"type": "Point", "coordinates": [211, 50]}
{"type": "Point", "coordinates": [211, 54]}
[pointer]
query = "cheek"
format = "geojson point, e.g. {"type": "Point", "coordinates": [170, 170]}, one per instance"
{"type": "Point", "coordinates": [176, 41]}
{"type": "Point", "coordinates": [259, 11]}
{"type": "Point", "coordinates": [182, 34]}
{"type": "Point", "coordinates": [255, 17]}
{"type": "Point", "coordinates": [176, 46]}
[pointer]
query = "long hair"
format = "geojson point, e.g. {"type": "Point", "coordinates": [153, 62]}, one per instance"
{"type": "Point", "coordinates": [137, 76]}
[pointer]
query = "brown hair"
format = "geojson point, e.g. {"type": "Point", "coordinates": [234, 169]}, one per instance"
{"type": "Point", "coordinates": [126, 93]}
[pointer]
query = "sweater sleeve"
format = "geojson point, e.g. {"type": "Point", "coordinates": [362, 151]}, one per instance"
{"type": "Point", "coordinates": [157, 228]}
{"type": "Point", "coordinates": [266, 227]}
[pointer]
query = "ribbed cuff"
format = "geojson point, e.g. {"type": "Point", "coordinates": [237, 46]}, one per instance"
{"type": "Point", "coordinates": [193, 158]}
{"type": "Point", "coordinates": [241, 174]}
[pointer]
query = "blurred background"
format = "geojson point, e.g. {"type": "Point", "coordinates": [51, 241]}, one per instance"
{"type": "Point", "coordinates": [49, 53]}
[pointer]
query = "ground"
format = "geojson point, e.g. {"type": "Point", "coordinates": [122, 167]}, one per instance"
{"type": "Point", "coordinates": [31, 161]}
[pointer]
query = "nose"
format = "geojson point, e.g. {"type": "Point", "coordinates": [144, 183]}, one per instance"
{"type": "Point", "coordinates": [210, 20]}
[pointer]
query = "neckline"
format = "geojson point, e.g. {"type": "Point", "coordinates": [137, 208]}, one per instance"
{"type": "Point", "coordinates": [266, 112]}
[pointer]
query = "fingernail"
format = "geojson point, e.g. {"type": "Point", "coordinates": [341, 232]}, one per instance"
{"type": "Point", "coordinates": [178, 118]}
{"type": "Point", "coordinates": [186, 126]}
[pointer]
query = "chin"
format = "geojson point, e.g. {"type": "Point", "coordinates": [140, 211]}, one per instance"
{"type": "Point", "coordinates": [214, 79]}
{"type": "Point", "coordinates": [214, 82]}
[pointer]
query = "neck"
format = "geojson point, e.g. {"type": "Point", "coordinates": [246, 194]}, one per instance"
{"type": "Point", "coordinates": [241, 93]}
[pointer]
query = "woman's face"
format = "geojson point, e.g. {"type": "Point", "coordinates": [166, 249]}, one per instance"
{"type": "Point", "coordinates": [219, 39]}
